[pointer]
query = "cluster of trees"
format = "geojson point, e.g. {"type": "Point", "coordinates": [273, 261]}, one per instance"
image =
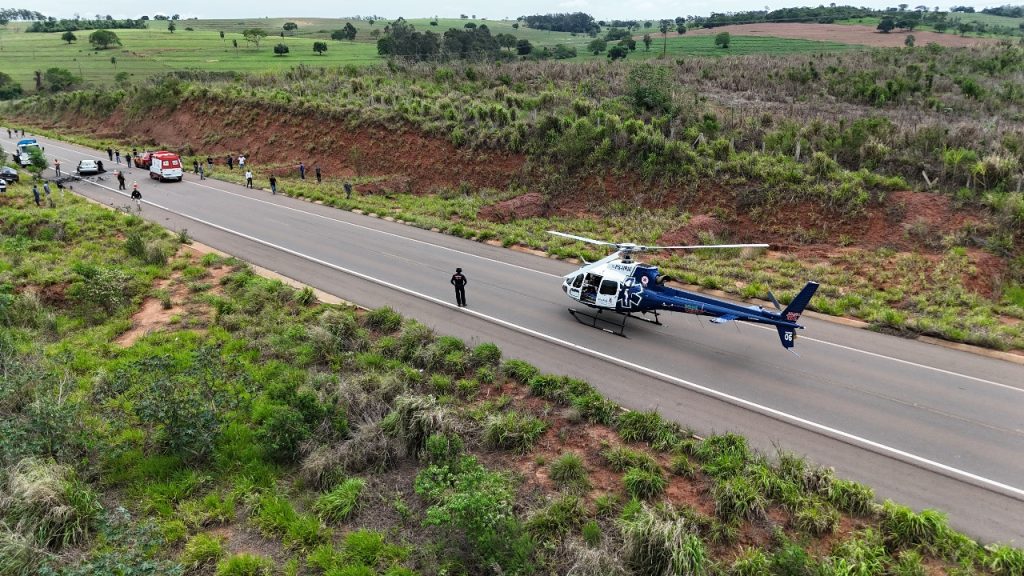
{"type": "Point", "coordinates": [9, 89]}
{"type": "Point", "coordinates": [1008, 11]}
{"type": "Point", "coordinates": [401, 39]}
{"type": "Point", "coordinates": [578, 22]}
{"type": "Point", "coordinates": [9, 14]}
{"type": "Point", "coordinates": [346, 33]}
{"type": "Point", "coordinates": [820, 14]}
{"type": "Point", "coordinates": [64, 25]}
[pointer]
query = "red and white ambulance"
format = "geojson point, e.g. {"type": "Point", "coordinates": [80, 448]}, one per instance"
{"type": "Point", "coordinates": [164, 165]}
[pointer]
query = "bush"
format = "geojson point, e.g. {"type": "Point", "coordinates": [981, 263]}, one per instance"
{"type": "Point", "coordinates": [736, 499]}
{"type": "Point", "coordinates": [442, 448]}
{"type": "Point", "coordinates": [513, 431]}
{"type": "Point", "coordinates": [338, 504]}
{"type": "Point", "coordinates": [621, 458]}
{"type": "Point", "coordinates": [245, 564]}
{"type": "Point", "coordinates": [850, 496]}
{"type": "Point", "coordinates": [201, 551]}
{"type": "Point", "coordinates": [816, 518]}
{"type": "Point", "coordinates": [644, 484]}
{"type": "Point", "coordinates": [46, 501]}
{"type": "Point", "coordinates": [485, 354]}
{"type": "Point", "coordinates": [750, 562]}
{"type": "Point", "coordinates": [556, 519]}
{"type": "Point", "coordinates": [569, 472]}
{"type": "Point", "coordinates": [1005, 561]}
{"type": "Point", "coordinates": [657, 546]}
{"type": "Point", "coordinates": [639, 426]}
{"type": "Point", "coordinates": [384, 320]}
{"type": "Point", "coordinates": [903, 528]}
{"type": "Point", "coordinates": [281, 429]}
{"type": "Point", "coordinates": [518, 370]}
{"type": "Point", "coordinates": [592, 533]}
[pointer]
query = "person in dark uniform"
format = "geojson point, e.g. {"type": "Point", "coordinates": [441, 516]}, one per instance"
{"type": "Point", "coordinates": [459, 281]}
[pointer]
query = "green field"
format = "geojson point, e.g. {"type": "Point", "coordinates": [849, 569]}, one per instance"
{"type": "Point", "coordinates": [155, 51]}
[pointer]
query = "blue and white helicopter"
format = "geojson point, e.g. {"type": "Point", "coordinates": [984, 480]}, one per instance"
{"type": "Point", "coordinates": [629, 289]}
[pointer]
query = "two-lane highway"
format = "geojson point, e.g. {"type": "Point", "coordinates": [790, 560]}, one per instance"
{"type": "Point", "coordinates": [924, 425]}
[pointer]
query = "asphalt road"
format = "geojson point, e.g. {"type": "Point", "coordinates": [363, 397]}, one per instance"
{"type": "Point", "coordinates": [924, 425]}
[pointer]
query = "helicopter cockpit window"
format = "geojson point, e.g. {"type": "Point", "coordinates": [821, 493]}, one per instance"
{"type": "Point", "coordinates": [609, 287]}
{"type": "Point", "coordinates": [577, 281]}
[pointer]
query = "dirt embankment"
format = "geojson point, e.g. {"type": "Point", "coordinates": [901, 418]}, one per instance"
{"type": "Point", "coordinates": [404, 159]}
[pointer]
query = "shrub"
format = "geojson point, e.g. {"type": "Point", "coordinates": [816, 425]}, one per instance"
{"type": "Point", "coordinates": [724, 455]}
{"type": "Point", "coordinates": [441, 448]}
{"type": "Point", "coordinates": [568, 472]}
{"type": "Point", "coordinates": [816, 518]}
{"type": "Point", "coordinates": [750, 562]}
{"type": "Point", "coordinates": [485, 354]}
{"type": "Point", "coordinates": [736, 498]}
{"type": "Point", "coordinates": [850, 496]}
{"type": "Point", "coordinates": [385, 320]}
{"type": "Point", "coordinates": [644, 484]}
{"type": "Point", "coordinates": [281, 429]}
{"type": "Point", "coordinates": [903, 528]}
{"type": "Point", "coordinates": [513, 431]}
{"type": "Point", "coordinates": [592, 533]}
{"type": "Point", "coordinates": [595, 408]}
{"type": "Point", "coordinates": [681, 466]}
{"type": "Point", "coordinates": [245, 564]}
{"type": "Point", "coordinates": [1004, 560]}
{"type": "Point", "coordinates": [338, 504]}
{"type": "Point", "coordinates": [45, 499]}
{"type": "Point", "coordinates": [518, 370]}
{"type": "Point", "coordinates": [658, 546]}
{"type": "Point", "coordinates": [19, 555]}
{"type": "Point", "coordinates": [621, 458]}
{"type": "Point", "coordinates": [201, 551]}
{"type": "Point", "coordinates": [556, 519]}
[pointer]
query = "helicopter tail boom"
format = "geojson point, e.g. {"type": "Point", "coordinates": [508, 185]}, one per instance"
{"type": "Point", "coordinates": [787, 333]}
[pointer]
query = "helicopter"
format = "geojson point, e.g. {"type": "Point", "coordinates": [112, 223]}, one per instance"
{"type": "Point", "coordinates": [630, 289]}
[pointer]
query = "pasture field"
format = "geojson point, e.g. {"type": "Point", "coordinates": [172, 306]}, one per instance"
{"type": "Point", "coordinates": [154, 51]}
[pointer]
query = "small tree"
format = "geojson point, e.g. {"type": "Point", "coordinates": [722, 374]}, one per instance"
{"type": "Point", "coordinates": [597, 45]}
{"type": "Point", "coordinates": [280, 49]}
{"type": "Point", "coordinates": [909, 41]}
{"type": "Point", "coordinates": [68, 37]}
{"type": "Point", "coordinates": [290, 26]}
{"type": "Point", "coordinates": [58, 79]}
{"type": "Point", "coordinates": [617, 52]}
{"type": "Point", "coordinates": [886, 25]}
{"type": "Point", "coordinates": [103, 39]}
{"type": "Point", "coordinates": [663, 26]}
{"type": "Point", "coordinates": [254, 35]}
{"type": "Point", "coordinates": [681, 29]}
{"type": "Point", "coordinates": [723, 39]}
{"type": "Point", "coordinates": [647, 40]}
{"type": "Point", "coordinates": [37, 162]}
{"type": "Point", "coordinates": [222, 37]}
{"type": "Point", "coordinates": [9, 89]}
{"type": "Point", "coordinates": [350, 31]}
{"type": "Point", "coordinates": [171, 27]}
{"type": "Point", "coordinates": [523, 47]}
{"type": "Point", "coordinates": [320, 47]}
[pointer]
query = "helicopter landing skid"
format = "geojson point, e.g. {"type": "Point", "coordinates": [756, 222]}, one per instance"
{"type": "Point", "coordinates": [614, 323]}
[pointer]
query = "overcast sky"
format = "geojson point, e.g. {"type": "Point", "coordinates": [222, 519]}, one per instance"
{"type": "Point", "coordinates": [600, 9]}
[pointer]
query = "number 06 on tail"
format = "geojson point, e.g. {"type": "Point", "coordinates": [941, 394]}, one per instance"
{"type": "Point", "coordinates": [630, 289]}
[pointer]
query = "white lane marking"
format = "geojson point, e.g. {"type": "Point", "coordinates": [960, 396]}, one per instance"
{"type": "Point", "coordinates": [899, 360]}
{"type": "Point", "coordinates": [625, 363]}
{"type": "Point", "coordinates": [802, 338]}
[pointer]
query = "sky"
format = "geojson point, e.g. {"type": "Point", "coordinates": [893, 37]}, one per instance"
{"type": "Point", "coordinates": [599, 9]}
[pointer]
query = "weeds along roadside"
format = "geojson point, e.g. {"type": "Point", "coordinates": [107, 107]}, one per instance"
{"type": "Point", "coordinates": [257, 429]}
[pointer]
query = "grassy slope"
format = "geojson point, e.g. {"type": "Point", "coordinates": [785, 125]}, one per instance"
{"type": "Point", "coordinates": [155, 51]}
{"type": "Point", "coordinates": [184, 447]}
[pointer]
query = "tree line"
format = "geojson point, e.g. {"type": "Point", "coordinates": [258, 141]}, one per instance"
{"type": "Point", "coordinates": [9, 14]}
{"type": "Point", "coordinates": [52, 24]}
{"type": "Point", "coordinates": [579, 22]}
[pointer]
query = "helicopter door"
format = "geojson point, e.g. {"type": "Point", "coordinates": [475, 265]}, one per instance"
{"type": "Point", "coordinates": [608, 293]}
{"type": "Point", "coordinates": [575, 286]}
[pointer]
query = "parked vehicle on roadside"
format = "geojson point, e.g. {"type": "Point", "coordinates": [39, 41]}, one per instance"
{"type": "Point", "coordinates": [22, 156]}
{"type": "Point", "coordinates": [162, 165]}
{"type": "Point", "coordinates": [8, 174]}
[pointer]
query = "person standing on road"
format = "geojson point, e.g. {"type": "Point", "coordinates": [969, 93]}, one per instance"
{"type": "Point", "coordinates": [117, 156]}
{"type": "Point", "coordinates": [195, 166]}
{"type": "Point", "coordinates": [137, 196]}
{"type": "Point", "coordinates": [459, 281]}
{"type": "Point", "coordinates": [273, 185]}
{"type": "Point", "coordinates": [302, 171]}
{"type": "Point", "coordinates": [317, 170]}
{"type": "Point", "coordinates": [120, 180]}
{"type": "Point", "coordinates": [202, 173]}
{"type": "Point", "coordinates": [56, 167]}
{"type": "Point", "coordinates": [35, 193]}
{"type": "Point", "coordinates": [248, 178]}
{"type": "Point", "coordinates": [128, 160]}
{"type": "Point", "coordinates": [110, 154]}
{"type": "Point", "coordinates": [9, 133]}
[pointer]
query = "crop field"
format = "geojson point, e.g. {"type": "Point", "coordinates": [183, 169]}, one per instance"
{"type": "Point", "coordinates": [169, 412]}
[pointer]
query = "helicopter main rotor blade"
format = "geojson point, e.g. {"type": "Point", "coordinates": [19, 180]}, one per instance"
{"type": "Point", "coordinates": [582, 238]}
{"type": "Point", "coordinates": [701, 247]}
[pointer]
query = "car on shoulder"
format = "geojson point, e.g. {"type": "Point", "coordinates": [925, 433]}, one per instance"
{"type": "Point", "coordinates": [8, 174]}
{"type": "Point", "coordinates": [87, 167]}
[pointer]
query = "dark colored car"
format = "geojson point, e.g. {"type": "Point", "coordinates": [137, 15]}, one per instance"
{"type": "Point", "coordinates": [9, 174]}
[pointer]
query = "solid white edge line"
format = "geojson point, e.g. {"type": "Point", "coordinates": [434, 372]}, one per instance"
{"type": "Point", "coordinates": [803, 422]}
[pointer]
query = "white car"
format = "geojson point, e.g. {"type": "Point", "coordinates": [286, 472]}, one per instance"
{"type": "Point", "coordinates": [87, 167]}
{"type": "Point", "coordinates": [3, 185]}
